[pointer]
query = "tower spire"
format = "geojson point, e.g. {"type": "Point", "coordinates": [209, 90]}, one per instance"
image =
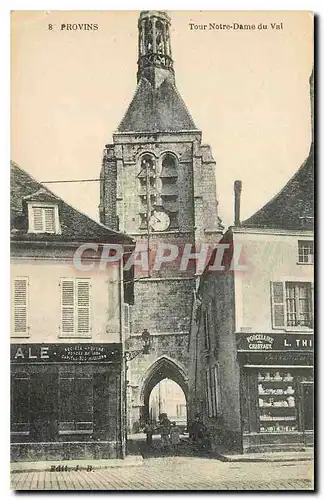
{"type": "Point", "coordinates": [154, 49]}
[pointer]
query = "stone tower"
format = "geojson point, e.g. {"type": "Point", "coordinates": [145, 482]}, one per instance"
{"type": "Point", "coordinates": [158, 185]}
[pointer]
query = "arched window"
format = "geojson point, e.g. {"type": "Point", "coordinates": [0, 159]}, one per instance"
{"type": "Point", "coordinates": [160, 38]}
{"type": "Point", "coordinates": [147, 186]}
{"type": "Point", "coordinates": [169, 187]}
{"type": "Point", "coordinates": [148, 37]}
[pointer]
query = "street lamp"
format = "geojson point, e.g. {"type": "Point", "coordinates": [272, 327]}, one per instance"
{"type": "Point", "coordinates": [146, 340]}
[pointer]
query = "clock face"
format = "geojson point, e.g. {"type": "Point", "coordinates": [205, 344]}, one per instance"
{"type": "Point", "coordinates": [159, 221]}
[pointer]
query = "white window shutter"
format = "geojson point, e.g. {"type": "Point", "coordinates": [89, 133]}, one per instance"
{"type": "Point", "coordinates": [38, 219]}
{"type": "Point", "coordinates": [20, 306]}
{"type": "Point", "coordinates": [67, 301]}
{"type": "Point", "coordinates": [278, 304]}
{"type": "Point", "coordinates": [49, 220]}
{"type": "Point", "coordinates": [83, 306]}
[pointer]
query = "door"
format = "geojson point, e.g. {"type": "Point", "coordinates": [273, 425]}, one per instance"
{"type": "Point", "coordinates": [307, 411]}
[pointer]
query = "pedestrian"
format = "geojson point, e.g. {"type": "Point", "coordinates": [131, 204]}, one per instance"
{"type": "Point", "coordinates": [165, 430]}
{"type": "Point", "coordinates": [149, 433]}
{"type": "Point", "coordinates": [175, 438]}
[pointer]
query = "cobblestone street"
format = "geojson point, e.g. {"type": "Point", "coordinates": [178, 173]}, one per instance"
{"type": "Point", "coordinates": [175, 473]}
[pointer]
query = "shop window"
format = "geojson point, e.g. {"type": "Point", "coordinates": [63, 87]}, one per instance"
{"type": "Point", "coordinates": [76, 404]}
{"type": "Point", "coordinates": [75, 307]}
{"type": "Point", "coordinates": [305, 252]}
{"type": "Point", "coordinates": [291, 304]}
{"type": "Point", "coordinates": [20, 401]}
{"type": "Point", "coordinates": [20, 308]}
{"type": "Point", "coordinates": [277, 408]}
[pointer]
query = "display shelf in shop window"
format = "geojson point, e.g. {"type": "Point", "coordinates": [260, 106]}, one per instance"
{"type": "Point", "coordinates": [276, 403]}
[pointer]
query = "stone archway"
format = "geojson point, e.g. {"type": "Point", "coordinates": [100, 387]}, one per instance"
{"type": "Point", "coordinates": [164, 367]}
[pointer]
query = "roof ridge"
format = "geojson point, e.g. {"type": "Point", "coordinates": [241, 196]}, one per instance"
{"type": "Point", "coordinates": [119, 233]}
{"type": "Point", "coordinates": [282, 190]}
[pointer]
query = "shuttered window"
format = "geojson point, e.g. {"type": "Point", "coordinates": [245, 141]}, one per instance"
{"type": "Point", "coordinates": [75, 303]}
{"type": "Point", "coordinates": [44, 219]}
{"type": "Point", "coordinates": [291, 304]}
{"type": "Point", "coordinates": [20, 307]}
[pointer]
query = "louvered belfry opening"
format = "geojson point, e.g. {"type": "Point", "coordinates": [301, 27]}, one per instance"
{"type": "Point", "coordinates": [146, 187]}
{"type": "Point", "coordinates": [169, 188]}
{"type": "Point", "coordinates": [157, 179]}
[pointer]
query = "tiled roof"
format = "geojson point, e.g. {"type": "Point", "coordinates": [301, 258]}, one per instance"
{"type": "Point", "coordinates": [156, 110]}
{"type": "Point", "coordinates": [293, 207]}
{"type": "Point", "coordinates": [75, 226]}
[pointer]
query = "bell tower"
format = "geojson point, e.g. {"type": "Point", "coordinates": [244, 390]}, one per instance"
{"type": "Point", "coordinates": [158, 184]}
{"type": "Point", "coordinates": [154, 49]}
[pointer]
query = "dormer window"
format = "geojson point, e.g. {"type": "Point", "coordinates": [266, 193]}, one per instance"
{"type": "Point", "coordinates": [43, 218]}
{"type": "Point", "coordinates": [43, 212]}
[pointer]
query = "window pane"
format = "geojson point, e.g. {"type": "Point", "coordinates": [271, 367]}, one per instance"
{"type": "Point", "coordinates": [306, 252]}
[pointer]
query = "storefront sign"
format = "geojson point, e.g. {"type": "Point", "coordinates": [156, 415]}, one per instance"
{"type": "Point", "coordinates": [276, 342]}
{"type": "Point", "coordinates": [60, 353]}
{"type": "Point", "coordinates": [276, 358]}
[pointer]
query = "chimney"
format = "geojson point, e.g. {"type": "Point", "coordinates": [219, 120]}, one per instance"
{"type": "Point", "coordinates": [237, 202]}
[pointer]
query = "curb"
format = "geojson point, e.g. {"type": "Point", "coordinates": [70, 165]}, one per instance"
{"type": "Point", "coordinates": [244, 458]}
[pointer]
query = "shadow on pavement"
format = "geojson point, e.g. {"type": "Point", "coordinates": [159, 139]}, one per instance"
{"type": "Point", "coordinates": [137, 443]}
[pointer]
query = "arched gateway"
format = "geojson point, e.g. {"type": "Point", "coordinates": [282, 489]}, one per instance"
{"type": "Point", "coordinates": [164, 367]}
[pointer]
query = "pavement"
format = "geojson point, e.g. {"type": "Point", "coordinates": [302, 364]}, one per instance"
{"type": "Point", "coordinates": [153, 469]}
{"type": "Point", "coordinates": [175, 473]}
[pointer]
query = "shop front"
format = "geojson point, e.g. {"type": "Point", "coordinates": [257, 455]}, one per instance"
{"type": "Point", "coordinates": [66, 401]}
{"type": "Point", "coordinates": [277, 391]}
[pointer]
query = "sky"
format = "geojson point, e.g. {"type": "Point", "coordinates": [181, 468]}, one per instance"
{"type": "Point", "coordinates": [247, 91]}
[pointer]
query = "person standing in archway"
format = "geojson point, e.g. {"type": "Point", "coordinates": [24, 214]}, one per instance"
{"type": "Point", "coordinates": [149, 433]}
{"type": "Point", "coordinates": [165, 425]}
{"type": "Point", "coordinates": [175, 438]}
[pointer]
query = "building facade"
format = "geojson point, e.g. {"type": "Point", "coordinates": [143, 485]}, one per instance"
{"type": "Point", "coordinates": [158, 185]}
{"type": "Point", "coordinates": [252, 344]}
{"type": "Point", "coordinates": [67, 330]}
